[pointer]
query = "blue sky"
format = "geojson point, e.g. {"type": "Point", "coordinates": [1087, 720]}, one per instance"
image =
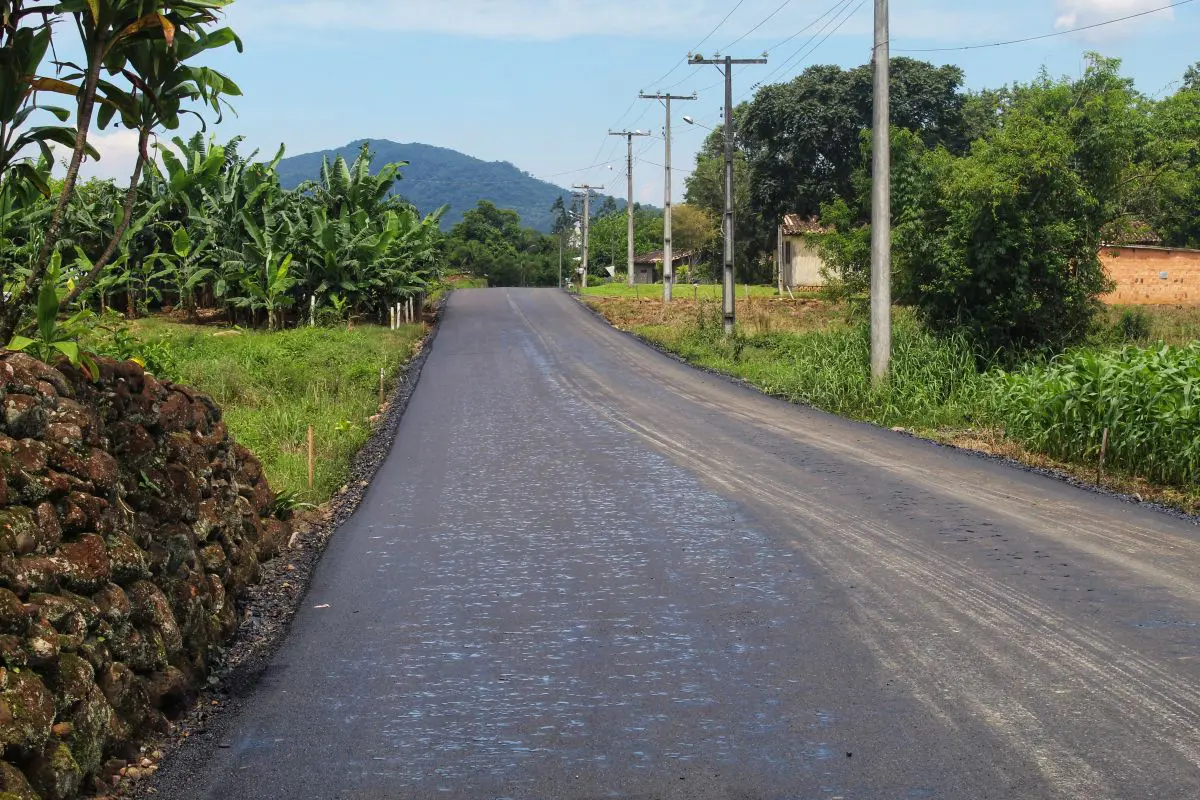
{"type": "Point", "coordinates": [540, 82]}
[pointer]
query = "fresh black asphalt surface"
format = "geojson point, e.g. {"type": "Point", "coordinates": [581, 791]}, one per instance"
{"type": "Point", "coordinates": [588, 571]}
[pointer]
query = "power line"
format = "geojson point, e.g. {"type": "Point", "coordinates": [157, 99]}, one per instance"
{"type": "Point", "coordinates": [714, 30]}
{"type": "Point", "coordinates": [805, 49]}
{"type": "Point", "coordinates": [809, 26]}
{"type": "Point", "coordinates": [711, 33]}
{"type": "Point", "coordinates": [836, 9]}
{"type": "Point", "coordinates": [769, 17]}
{"type": "Point", "coordinates": [1044, 35]}
{"type": "Point", "coordinates": [573, 171]}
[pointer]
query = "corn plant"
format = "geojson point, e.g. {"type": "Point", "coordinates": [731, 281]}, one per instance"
{"type": "Point", "coordinates": [1147, 398]}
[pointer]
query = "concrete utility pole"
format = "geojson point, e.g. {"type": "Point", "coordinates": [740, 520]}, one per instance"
{"type": "Point", "coordinates": [668, 246]}
{"type": "Point", "coordinates": [729, 289]}
{"type": "Point", "coordinates": [881, 203]}
{"type": "Point", "coordinates": [629, 175]}
{"type": "Point", "coordinates": [587, 221]}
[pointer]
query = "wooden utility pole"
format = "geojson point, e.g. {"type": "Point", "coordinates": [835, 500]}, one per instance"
{"type": "Point", "coordinates": [587, 221]}
{"type": "Point", "coordinates": [668, 246]}
{"type": "Point", "coordinates": [729, 289]}
{"type": "Point", "coordinates": [881, 203]}
{"type": "Point", "coordinates": [629, 176]}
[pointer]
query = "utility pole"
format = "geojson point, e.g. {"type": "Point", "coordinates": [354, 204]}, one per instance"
{"type": "Point", "coordinates": [587, 221]}
{"type": "Point", "coordinates": [668, 246]}
{"type": "Point", "coordinates": [729, 289]}
{"type": "Point", "coordinates": [629, 175]}
{"type": "Point", "coordinates": [881, 203]}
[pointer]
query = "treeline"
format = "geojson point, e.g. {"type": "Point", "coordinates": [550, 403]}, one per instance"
{"type": "Point", "coordinates": [213, 229]}
{"type": "Point", "coordinates": [1001, 198]}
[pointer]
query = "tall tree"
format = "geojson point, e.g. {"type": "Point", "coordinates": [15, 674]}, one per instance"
{"type": "Point", "coordinates": [802, 138]}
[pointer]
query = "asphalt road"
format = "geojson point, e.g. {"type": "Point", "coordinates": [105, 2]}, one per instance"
{"type": "Point", "coordinates": [588, 571]}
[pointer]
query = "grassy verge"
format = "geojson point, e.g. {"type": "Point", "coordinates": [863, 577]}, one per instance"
{"type": "Point", "coordinates": [684, 291]}
{"type": "Point", "coordinates": [272, 386]}
{"type": "Point", "coordinates": [1049, 415]}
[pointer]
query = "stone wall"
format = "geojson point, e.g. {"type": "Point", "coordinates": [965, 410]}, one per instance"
{"type": "Point", "coordinates": [129, 523]}
{"type": "Point", "coordinates": [1152, 275]}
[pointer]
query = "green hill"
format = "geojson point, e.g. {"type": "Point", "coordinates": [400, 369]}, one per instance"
{"type": "Point", "coordinates": [437, 176]}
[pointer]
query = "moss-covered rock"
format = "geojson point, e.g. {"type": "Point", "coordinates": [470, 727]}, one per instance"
{"type": "Point", "coordinates": [14, 616]}
{"type": "Point", "coordinates": [14, 785]}
{"type": "Point", "coordinates": [54, 773]}
{"type": "Point", "coordinates": [26, 713]}
{"type": "Point", "coordinates": [129, 522]}
{"type": "Point", "coordinates": [85, 564]}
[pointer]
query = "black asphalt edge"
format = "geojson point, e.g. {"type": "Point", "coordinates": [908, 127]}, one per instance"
{"type": "Point", "coordinates": [269, 607]}
{"type": "Point", "coordinates": [1054, 474]}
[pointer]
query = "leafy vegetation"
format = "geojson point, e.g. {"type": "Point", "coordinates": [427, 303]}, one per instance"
{"type": "Point", "coordinates": [1148, 399]}
{"type": "Point", "coordinates": [199, 225]}
{"type": "Point", "coordinates": [934, 383]}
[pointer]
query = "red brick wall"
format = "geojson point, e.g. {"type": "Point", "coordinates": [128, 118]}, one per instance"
{"type": "Point", "coordinates": [1138, 272]}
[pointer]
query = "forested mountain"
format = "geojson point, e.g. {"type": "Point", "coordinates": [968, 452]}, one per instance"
{"type": "Point", "coordinates": [438, 176]}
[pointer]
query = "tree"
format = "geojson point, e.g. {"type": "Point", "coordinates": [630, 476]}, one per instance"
{"type": "Point", "coordinates": [704, 190]}
{"type": "Point", "coordinates": [694, 228]}
{"type": "Point", "coordinates": [1003, 243]}
{"type": "Point", "coordinates": [802, 138]}
{"type": "Point", "coordinates": [491, 241]}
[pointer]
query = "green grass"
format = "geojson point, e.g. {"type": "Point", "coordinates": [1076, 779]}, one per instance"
{"type": "Point", "coordinates": [1177, 325]}
{"type": "Point", "coordinates": [272, 386]}
{"type": "Point", "coordinates": [684, 291]}
{"type": "Point", "coordinates": [934, 381]}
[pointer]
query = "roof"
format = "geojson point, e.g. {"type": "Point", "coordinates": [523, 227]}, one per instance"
{"type": "Point", "coordinates": [657, 257]}
{"type": "Point", "coordinates": [1133, 232]}
{"type": "Point", "coordinates": [796, 225]}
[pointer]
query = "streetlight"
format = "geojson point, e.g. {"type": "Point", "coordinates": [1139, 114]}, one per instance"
{"type": "Point", "coordinates": [691, 121]}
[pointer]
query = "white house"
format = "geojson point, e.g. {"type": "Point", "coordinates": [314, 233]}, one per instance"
{"type": "Point", "coordinates": [799, 256]}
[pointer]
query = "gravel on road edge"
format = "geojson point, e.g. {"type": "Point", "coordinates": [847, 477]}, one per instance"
{"type": "Point", "coordinates": [268, 608]}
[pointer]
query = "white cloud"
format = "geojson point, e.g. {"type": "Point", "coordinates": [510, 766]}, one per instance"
{"type": "Point", "coordinates": [1079, 13]}
{"type": "Point", "coordinates": [118, 155]}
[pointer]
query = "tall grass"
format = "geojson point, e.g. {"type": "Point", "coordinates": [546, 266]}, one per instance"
{"type": "Point", "coordinates": [1147, 398]}
{"type": "Point", "coordinates": [934, 380]}
{"type": "Point", "coordinates": [272, 386]}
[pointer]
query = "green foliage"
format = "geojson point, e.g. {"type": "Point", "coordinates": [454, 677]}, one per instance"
{"type": "Point", "coordinates": [1148, 399]}
{"type": "Point", "coordinates": [53, 340]}
{"type": "Point", "coordinates": [846, 252]}
{"type": "Point", "coordinates": [491, 243]}
{"type": "Point", "coordinates": [934, 380]}
{"type": "Point", "coordinates": [1003, 243]}
{"type": "Point", "coordinates": [1134, 325]}
{"type": "Point", "coordinates": [802, 138]}
{"type": "Point", "coordinates": [705, 190]}
{"type": "Point", "coordinates": [609, 235]}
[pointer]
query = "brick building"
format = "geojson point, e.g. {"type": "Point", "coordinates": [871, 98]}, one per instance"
{"type": "Point", "coordinates": [1152, 275]}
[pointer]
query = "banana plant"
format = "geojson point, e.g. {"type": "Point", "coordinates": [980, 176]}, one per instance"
{"type": "Point", "coordinates": [163, 83]}
{"type": "Point", "coordinates": [107, 29]}
{"type": "Point", "coordinates": [181, 267]}
{"type": "Point", "coordinates": [51, 339]}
